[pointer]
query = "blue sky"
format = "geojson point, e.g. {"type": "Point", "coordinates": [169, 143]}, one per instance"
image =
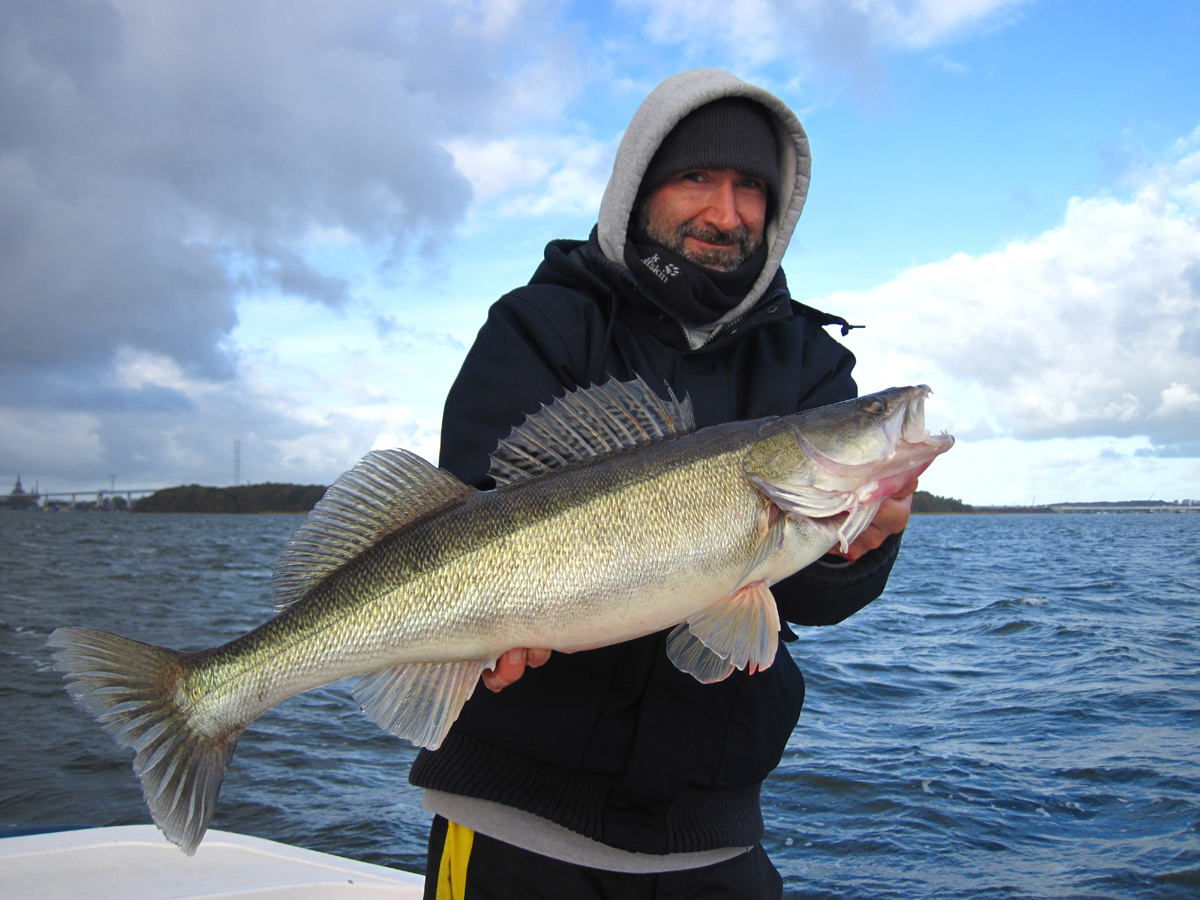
{"type": "Point", "coordinates": [283, 223]}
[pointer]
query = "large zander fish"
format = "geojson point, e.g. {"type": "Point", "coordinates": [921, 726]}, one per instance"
{"type": "Point", "coordinates": [613, 518]}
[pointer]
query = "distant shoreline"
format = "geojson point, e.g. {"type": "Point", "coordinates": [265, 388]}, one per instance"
{"type": "Point", "coordinates": [1064, 509]}
{"type": "Point", "coordinates": [299, 499]}
{"type": "Point", "coordinates": [925, 503]}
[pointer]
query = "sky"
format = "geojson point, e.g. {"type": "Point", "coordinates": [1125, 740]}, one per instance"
{"type": "Point", "coordinates": [282, 222]}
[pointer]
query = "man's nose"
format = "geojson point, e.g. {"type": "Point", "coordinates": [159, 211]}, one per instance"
{"type": "Point", "coordinates": [722, 212]}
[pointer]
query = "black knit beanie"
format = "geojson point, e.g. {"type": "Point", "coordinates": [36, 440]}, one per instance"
{"type": "Point", "coordinates": [731, 133]}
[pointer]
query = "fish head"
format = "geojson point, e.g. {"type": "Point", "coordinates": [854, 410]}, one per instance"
{"type": "Point", "coordinates": [845, 459]}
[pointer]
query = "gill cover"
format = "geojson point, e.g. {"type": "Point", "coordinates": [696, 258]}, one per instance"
{"type": "Point", "coordinates": [846, 458]}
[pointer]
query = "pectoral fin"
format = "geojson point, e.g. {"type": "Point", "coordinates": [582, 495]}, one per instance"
{"type": "Point", "coordinates": [770, 544]}
{"type": "Point", "coordinates": [420, 701]}
{"type": "Point", "coordinates": [804, 500]}
{"type": "Point", "coordinates": [860, 517]}
{"type": "Point", "coordinates": [742, 630]}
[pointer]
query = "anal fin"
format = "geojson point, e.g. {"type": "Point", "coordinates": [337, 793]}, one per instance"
{"type": "Point", "coordinates": [742, 630]}
{"type": "Point", "coordinates": [420, 701]}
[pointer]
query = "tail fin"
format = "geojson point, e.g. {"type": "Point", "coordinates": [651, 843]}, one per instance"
{"type": "Point", "coordinates": [130, 688]}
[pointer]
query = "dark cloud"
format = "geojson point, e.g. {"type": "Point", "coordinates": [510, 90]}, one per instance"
{"type": "Point", "coordinates": [158, 158]}
{"type": "Point", "coordinates": [75, 387]}
{"type": "Point", "coordinates": [159, 161]}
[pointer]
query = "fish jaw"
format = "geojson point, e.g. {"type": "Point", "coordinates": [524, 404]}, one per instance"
{"type": "Point", "coordinates": [844, 460]}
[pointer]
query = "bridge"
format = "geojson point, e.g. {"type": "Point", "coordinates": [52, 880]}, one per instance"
{"type": "Point", "coordinates": [70, 499]}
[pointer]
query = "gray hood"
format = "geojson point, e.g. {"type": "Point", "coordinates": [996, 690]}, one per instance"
{"type": "Point", "coordinates": [653, 121]}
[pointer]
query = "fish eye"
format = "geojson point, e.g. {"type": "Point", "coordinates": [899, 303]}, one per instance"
{"type": "Point", "coordinates": [872, 405]}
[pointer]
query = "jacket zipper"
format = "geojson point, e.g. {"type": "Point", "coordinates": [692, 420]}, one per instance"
{"type": "Point", "coordinates": [729, 326]}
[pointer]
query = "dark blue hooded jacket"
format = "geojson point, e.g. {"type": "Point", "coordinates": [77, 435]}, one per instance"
{"type": "Point", "coordinates": [616, 743]}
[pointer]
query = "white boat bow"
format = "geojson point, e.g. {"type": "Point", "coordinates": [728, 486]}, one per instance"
{"type": "Point", "coordinates": [135, 862]}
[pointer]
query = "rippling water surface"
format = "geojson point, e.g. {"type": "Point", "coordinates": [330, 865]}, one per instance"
{"type": "Point", "coordinates": [1017, 717]}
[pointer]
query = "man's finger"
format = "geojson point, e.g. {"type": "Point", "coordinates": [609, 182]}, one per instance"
{"type": "Point", "coordinates": [893, 516]}
{"type": "Point", "coordinates": [871, 538]}
{"type": "Point", "coordinates": [511, 666]}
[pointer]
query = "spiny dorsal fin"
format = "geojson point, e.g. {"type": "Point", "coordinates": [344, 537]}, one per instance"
{"type": "Point", "coordinates": [386, 490]}
{"type": "Point", "coordinates": [586, 423]}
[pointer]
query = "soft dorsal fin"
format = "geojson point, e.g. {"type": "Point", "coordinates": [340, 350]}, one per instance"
{"type": "Point", "coordinates": [586, 423]}
{"type": "Point", "coordinates": [387, 489]}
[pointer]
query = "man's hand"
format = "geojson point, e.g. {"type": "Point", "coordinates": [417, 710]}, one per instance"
{"type": "Point", "coordinates": [511, 666]}
{"type": "Point", "coordinates": [891, 519]}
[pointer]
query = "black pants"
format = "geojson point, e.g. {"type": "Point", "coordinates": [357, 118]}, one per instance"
{"type": "Point", "coordinates": [499, 871]}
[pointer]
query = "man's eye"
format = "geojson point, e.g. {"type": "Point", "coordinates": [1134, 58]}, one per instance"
{"type": "Point", "coordinates": [753, 183]}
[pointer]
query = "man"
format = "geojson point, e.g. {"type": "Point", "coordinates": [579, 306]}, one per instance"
{"type": "Point", "coordinates": [610, 772]}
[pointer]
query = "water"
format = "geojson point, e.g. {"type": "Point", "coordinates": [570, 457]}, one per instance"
{"type": "Point", "coordinates": [1018, 717]}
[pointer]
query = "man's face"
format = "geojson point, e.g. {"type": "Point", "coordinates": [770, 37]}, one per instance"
{"type": "Point", "coordinates": [713, 217]}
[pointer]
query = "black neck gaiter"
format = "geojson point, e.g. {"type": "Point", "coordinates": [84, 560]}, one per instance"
{"type": "Point", "coordinates": [696, 294]}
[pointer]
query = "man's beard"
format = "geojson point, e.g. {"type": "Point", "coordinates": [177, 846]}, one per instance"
{"type": "Point", "coordinates": [738, 245]}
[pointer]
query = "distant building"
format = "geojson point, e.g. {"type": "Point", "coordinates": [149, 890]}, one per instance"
{"type": "Point", "coordinates": [19, 498]}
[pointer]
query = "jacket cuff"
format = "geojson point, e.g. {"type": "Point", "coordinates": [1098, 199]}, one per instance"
{"type": "Point", "coordinates": [832, 570]}
{"type": "Point", "coordinates": [826, 593]}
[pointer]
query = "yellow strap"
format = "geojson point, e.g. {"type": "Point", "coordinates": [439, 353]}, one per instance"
{"type": "Point", "coordinates": [452, 873]}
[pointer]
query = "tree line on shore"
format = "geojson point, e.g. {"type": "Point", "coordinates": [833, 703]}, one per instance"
{"type": "Point", "coordinates": [925, 502]}
{"type": "Point", "coordinates": [247, 498]}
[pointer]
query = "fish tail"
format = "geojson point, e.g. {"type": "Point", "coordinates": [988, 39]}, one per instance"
{"type": "Point", "coordinates": [130, 687]}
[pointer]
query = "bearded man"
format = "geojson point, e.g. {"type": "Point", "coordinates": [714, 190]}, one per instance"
{"type": "Point", "coordinates": [610, 772]}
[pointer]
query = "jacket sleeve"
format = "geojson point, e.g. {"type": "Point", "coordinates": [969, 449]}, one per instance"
{"type": "Point", "coordinates": [833, 588]}
{"type": "Point", "coordinates": [518, 362]}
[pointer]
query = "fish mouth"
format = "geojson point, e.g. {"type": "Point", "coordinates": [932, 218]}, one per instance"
{"type": "Point", "coordinates": [912, 446]}
{"type": "Point", "coordinates": [915, 447]}
{"type": "Point", "coordinates": [914, 431]}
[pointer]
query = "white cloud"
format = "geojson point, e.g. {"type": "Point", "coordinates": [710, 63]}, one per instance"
{"type": "Point", "coordinates": [1090, 329]}
{"type": "Point", "coordinates": [138, 369]}
{"type": "Point", "coordinates": [536, 175]}
{"type": "Point", "coordinates": [926, 23]}
{"type": "Point", "coordinates": [942, 62]}
{"type": "Point", "coordinates": [817, 34]}
{"type": "Point", "coordinates": [1177, 399]}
